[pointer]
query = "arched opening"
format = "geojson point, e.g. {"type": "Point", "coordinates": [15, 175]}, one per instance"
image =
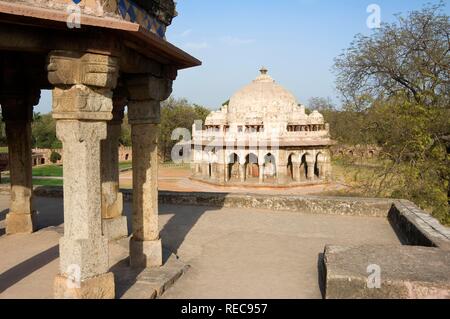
{"type": "Point", "coordinates": [318, 166]}
{"type": "Point", "coordinates": [210, 170]}
{"type": "Point", "coordinates": [252, 166]}
{"type": "Point", "coordinates": [270, 168]}
{"type": "Point", "coordinates": [371, 154]}
{"type": "Point", "coordinates": [127, 156]}
{"type": "Point", "coordinates": [290, 167]}
{"type": "Point", "coordinates": [42, 161]}
{"type": "Point", "coordinates": [233, 167]}
{"type": "Point", "coordinates": [304, 167]}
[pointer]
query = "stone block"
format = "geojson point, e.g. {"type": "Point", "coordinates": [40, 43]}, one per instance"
{"type": "Point", "coordinates": [405, 272]}
{"type": "Point", "coordinates": [17, 223]}
{"type": "Point", "coordinates": [88, 257]}
{"type": "Point", "coordinates": [114, 210]}
{"type": "Point", "coordinates": [100, 287]}
{"type": "Point", "coordinates": [145, 254]}
{"type": "Point", "coordinates": [151, 282]}
{"type": "Point", "coordinates": [115, 228]}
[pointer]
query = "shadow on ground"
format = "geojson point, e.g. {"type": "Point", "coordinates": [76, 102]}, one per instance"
{"type": "Point", "coordinates": [27, 267]}
{"type": "Point", "coordinates": [2, 218]}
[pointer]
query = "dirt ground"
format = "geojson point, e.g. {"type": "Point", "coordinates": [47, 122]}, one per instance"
{"type": "Point", "coordinates": [177, 179]}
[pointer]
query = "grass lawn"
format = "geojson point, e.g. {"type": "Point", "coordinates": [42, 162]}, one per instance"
{"type": "Point", "coordinates": [40, 182]}
{"type": "Point", "coordinates": [48, 170]}
{"type": "Point", "coordinates": [124, 165]}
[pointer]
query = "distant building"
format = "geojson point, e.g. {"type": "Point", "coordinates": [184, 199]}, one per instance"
{"type": "Point", "coordinates": [262, 136]}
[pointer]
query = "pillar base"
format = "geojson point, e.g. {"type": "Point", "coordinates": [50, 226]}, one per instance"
{"type": "Point", "coordinates": [115, 228]}
{"type": "Point", "coordinates": [17, 223]}
{"type": "Point", "coordinates": [145, 254]}
{"type": "Point", "coordinates": [100, 287]}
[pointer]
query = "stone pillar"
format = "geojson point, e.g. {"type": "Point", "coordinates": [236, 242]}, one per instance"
{"type": "Point", "coordinates": [226, 173]}
{"type": "Point", "coordinates": [282, 174]}
{"type": "Point", "coordinates": [82, 105]}
{"type": "Point", "coordinates": [17, 112]}
{"type": "Point", "coordinates": [297, 172]}
{"type": "Point", "coordinates": [310, 170]}
{"type": "Point", "coordinates": [261, 173]}
{"type": "Point", "coordinates": [114, 224]}
{"type": "Point", "coordinates": [242, 172]}
{"type": "Point", "coordinates": [146, 92]}
{"type": "Point", "coordinates": [321, 167]}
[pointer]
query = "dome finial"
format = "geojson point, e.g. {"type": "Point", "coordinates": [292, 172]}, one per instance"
{"type": "Point", "coordinates": [263, 70]}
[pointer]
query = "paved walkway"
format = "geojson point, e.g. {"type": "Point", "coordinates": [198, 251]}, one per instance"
{"type": "Point", "coordinates": [233, 253]}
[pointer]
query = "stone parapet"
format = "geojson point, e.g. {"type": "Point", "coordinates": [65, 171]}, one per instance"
{"type": "Point", "coordinates": [386, 272]}
{"type": "Point", "coordinates": [418, 227]}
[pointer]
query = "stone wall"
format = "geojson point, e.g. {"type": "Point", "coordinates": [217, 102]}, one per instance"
{"type": "Point", "coordinates": [357, 151]}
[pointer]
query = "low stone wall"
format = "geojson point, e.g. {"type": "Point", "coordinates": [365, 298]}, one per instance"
{"type": "Point", "coordinates": [404, 272]}
{"type": "Point", "coordinates": [416, 227]}
{"type": "Point", "coordinates": [304, 204]}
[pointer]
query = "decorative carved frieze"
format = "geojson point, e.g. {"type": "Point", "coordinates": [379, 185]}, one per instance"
{"type": "Point", "coordinates": [82, 102]}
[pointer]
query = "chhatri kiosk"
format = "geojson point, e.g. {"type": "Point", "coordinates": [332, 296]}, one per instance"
{"type": "Point", "coordinates": [262, 136]}
{"type": "Point", "coordinates": [97, 57]}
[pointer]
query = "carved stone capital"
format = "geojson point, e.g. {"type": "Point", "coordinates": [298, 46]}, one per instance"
{"type": "Point", "coordinates": [170, 72]}
{"type": "Point", "coordinates": [148, 87]}
{"type": "Point", "coordinates": [144, 112]}
{"type": "Point", "coordinates": [83, 103]}
{"type": "Point", "coordinates": [70, 68]}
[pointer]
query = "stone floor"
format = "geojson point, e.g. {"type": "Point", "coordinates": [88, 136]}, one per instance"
{"type": "Point", "coordinates": [232, 253]}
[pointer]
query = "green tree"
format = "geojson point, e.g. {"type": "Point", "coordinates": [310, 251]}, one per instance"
{"type": "Point", "coordinates": [55, 157]}
{"type": "Point", "coordinates": [44, 132]}
{"type": "Point", "coordinates": [398, 79]}
{"type": "Point", "coordinates": [177, 113]}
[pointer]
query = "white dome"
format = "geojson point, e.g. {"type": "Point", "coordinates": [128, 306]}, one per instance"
{"type": "Point", "coordinates": [316, 118]}
{"type": "Point", "coordinates": [262, 95]}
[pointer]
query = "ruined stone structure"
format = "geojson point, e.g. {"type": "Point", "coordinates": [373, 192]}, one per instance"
{"type": "Point", "coordinates": [356, 151]}
{"type": "Point", "coordinates": [41, 156]}
{"type": "Point", "coordinates": [116, 56]}
{"type": "Point", "coordinates": [262, 136]}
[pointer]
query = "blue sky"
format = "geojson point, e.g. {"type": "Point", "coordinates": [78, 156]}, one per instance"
{"type": "Point", "coordinates": [296, 40]}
